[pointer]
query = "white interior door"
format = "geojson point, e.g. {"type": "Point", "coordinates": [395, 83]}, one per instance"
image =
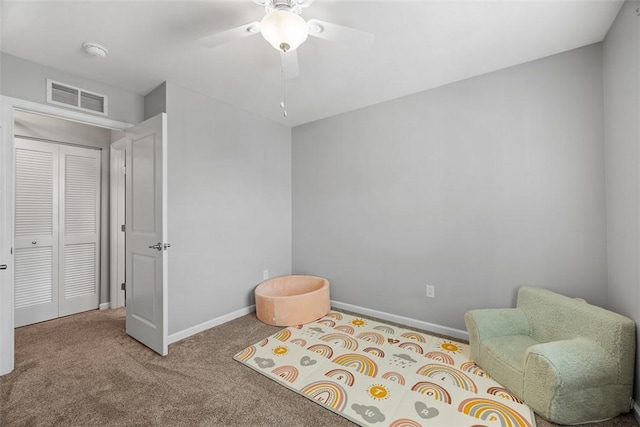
{"type": "Point", "coordinates": [36, 232]}
{"type": "Point", "coordinates": [79, 230]}
{"type": "Point", "coordinates": [146, 233]}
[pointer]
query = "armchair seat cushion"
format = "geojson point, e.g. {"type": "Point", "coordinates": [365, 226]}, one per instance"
{"type": "Point", "coordinates": [505, 360]}
{"type": "Point", "coordinates": [570, 361]}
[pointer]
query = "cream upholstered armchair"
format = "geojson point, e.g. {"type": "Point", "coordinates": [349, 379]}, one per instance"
{"type": "Point", "coordinates": [570, 361]}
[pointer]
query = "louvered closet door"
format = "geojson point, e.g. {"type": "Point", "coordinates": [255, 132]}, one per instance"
{"type": "Point", "coordinates": [36, 232]}
{"type": "Point", "coordinates": [57, 231]}
{"type": "Point", "coordinates": [79, 229]}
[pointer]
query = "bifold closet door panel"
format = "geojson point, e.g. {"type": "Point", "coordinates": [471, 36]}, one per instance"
{"type": "Point", "coordinates": [79, 229]}
{"type": "Point", "coordinates": [36, 232]}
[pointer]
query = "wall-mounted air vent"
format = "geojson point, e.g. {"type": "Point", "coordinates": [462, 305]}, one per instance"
{"type": "Point", "coordinates": [70, 96]}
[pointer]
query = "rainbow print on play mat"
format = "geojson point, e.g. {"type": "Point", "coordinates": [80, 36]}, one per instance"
{"type": "Point", "coordinates": [327, 393]}
{"type": "Point", "coordinates": [434, 390]}
{"type": "Point", "coordinates": [486, 409]}
{"type": "Point", "coordinates": [345, 328]}
{"type": "Point", "coordinates": [283, 335]}
{"type": "Point", "coordinates": [372, 337]}
{"type": "Point", "coordinates": [441, 357]}
{"type": "Point", "coordinates": [341, 375]}
{"type": "Point", "coordinates": [246, 354]}
{"type": "Point", "coordinates": [359, 362]}
{"type": "Point", "coordinates": [321, 349]}
{"type": "Point", "coordinates": [342, 340]}
{"type": "Point", "coordinates": [450, 374]}
{"type": "Point", "coordinates": [286, 372]}
{"type": "Point", "coordinates": [413, 336]}
{"type": "Point", "coordinates": [394, 376]}
{"type": "Point", "coordinates": [376, 374]}
{"type": "Point", "coordinates": [404, 422]}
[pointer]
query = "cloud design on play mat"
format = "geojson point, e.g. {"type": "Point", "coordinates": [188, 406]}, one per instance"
{"type": "Point", "coordinates": [319, 330]}
{"type": "Point", "coordinates": [405, 357]}
{"type": "Point", "coordinates": [264, 363]}
{"type": "Point", "coordinates": [370, 414]}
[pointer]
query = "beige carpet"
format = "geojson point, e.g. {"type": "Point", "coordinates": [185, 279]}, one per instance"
{"type": "Point", "coordinates": [83, 370]}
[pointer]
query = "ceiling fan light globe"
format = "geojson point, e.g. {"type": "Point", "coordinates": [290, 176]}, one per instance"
{"type": "Point", "coordinates": [282, 28]}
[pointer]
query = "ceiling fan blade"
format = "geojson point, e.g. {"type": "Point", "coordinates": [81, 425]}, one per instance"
{"type": "Point", "coordinates": [290, 67]}
{"type": "Point", "coordinates": [230, 35]}
{"type": "Point", "coordinates": [338, 33]}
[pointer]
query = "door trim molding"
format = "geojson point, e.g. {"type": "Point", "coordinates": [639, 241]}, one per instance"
{"type": "Point", "coordinates": [7, 164]}
{"type": "Point", "coordinates": [116, 219]}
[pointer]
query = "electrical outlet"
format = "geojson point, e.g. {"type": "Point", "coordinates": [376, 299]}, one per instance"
{"type": "Point", "coordinates": [265, 274]}
{"type": "Point", "coordinates": [431, 292]}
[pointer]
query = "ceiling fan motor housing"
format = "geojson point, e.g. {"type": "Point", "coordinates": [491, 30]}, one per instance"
{"type": "Point", "coordinates": [294, 6]}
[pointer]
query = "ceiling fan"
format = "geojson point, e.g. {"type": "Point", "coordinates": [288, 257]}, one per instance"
{"type": "Point", "coordinates": [285, 29]}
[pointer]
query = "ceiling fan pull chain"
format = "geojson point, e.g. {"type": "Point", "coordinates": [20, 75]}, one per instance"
{"type": "Point", "coordinates": [283, 89]}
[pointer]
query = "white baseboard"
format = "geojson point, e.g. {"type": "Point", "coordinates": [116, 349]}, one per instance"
{"type": "Point", "coordinates": [104, 306]}
{"type": "Point", "coordinates": [420, 324]}
{"type": "Point", "coordinates": [432, 327]}
{"type": "Point", "coordinates": [636, 411]}
{"type": "Point", "coordinates": [210, 324]}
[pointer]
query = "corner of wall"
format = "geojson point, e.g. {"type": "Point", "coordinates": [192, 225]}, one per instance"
{"type": "Point", "coordinates": [155, 102]}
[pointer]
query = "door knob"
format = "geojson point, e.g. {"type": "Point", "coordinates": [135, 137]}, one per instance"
{"type": "Point", "coordinates": [34, 242]}
{"type": "Point", "coordinates": [3, 266]}
{"type": "Point", "coordinates": [157, 246]}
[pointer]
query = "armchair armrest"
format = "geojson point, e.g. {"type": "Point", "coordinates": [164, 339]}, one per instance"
{"type": "Point", "coordinates": [577, 362]}
{"type": "Point", "coordinates": [489, 323]}
{"type": "Point", "coordinates": [574, 381]}
{"type": "Point", "coordinates": [559, 373]}
{"type": "Point", "coordinates": [497, 322]}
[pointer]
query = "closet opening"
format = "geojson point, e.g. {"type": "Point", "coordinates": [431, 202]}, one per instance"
{"type": "Point", "coordinates": [61, 219]}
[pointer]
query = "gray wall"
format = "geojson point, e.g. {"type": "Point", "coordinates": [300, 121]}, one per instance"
{"type": "Point", "coordinates": [155, 102]}
{"type": "Point", "coordinates": [27, 80]}
{"type": "Point", "coordinates": [229, 206]}
{"type": "Point", "coordinates": [477, 188]}
{"type": "Point", "coordinates": [621, 59]}
{"type": "Point", "coordinates": [64, 131]}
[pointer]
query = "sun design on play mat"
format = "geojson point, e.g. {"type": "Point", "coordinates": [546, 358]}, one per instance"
{"type": "Point", "coordinates": [450, 347]}
{"type": "Point", "coordinates": [358, 322]}
{"type": "Point", "coordinates": [378, 392]}
{"type": "Point", "coordinates": [280, 350]}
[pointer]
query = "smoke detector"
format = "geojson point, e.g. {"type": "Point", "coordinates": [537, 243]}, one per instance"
{"type": "Point", "coordinates": [94, 49]}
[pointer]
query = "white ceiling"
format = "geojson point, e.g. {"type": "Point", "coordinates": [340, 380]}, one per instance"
{"type": "Point", "coordinates": [418, 45]}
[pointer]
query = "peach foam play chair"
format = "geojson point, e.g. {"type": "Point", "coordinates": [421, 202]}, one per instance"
{"type": "Point", "coordinates": [570, 361]}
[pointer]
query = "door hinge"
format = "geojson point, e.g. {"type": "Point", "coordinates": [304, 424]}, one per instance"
{"type": "Point", "coordinates": [123, 286]}
{"type": "Point", "coordinates": [122, 227]}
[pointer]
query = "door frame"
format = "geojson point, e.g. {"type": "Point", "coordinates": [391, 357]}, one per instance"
{"type": "Point", "coordinates": [116, 219]}
{"type": "Point", "coordinates": [8, 106]}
